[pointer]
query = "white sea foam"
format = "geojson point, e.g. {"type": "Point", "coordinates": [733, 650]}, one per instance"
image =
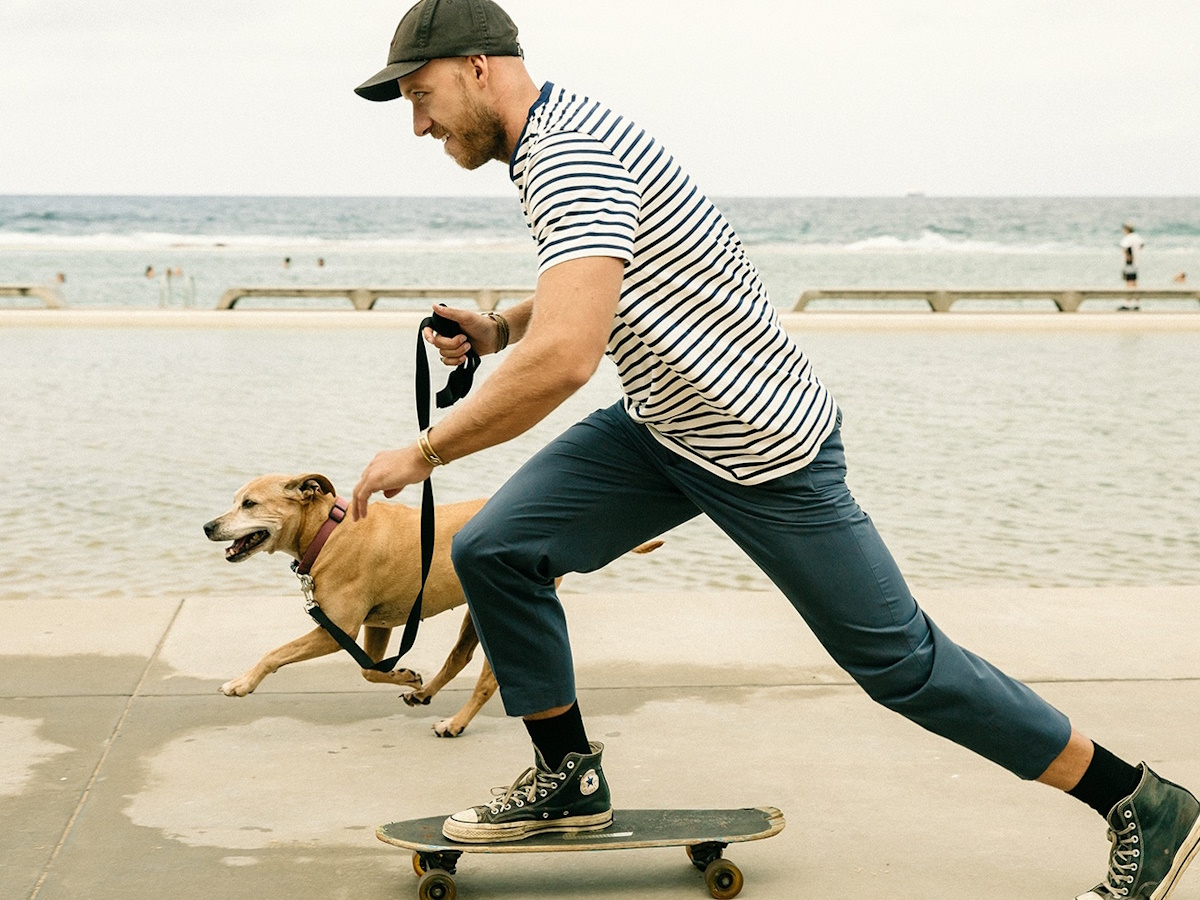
{"type": "Point", "coordinates": [933, 242]}
{"type": "Point", "coordinates": [928, 243]}
{"type": "Point", "coordinates": [147, 241]}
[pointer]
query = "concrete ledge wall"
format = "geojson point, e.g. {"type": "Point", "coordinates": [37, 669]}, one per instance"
{"type": "Point", "coordinates": [47, 293]}
{"type": "Point", "coordinates": [409, 319]}
{"type": "Point", "coordinates": [942, 299]}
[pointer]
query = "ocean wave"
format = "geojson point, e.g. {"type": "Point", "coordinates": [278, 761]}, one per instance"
{"type": "Point", "coordinates": [107, 241]}
{"type": "Point", "coordinates": [929, 242]}
{"type": "Point", "coordinates": [876, 227]}
{"type": "Point", "coordinates": [932, 242]}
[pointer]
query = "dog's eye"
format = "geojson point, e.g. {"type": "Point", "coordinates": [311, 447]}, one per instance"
{"type": "Point", "coordinates": [247, 503]}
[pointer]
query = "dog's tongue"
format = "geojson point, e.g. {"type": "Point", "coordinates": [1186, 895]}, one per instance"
{"type": "Point", "coordinates": [244, 546]}
{"type": "Point", "coordinates": [237, 546]}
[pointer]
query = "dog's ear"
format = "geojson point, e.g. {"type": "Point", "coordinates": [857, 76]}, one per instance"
{"type": "Point", "coordinates": [309, 486]}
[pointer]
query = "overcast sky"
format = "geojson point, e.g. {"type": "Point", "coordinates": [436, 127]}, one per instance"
{"type": "Point", "coordinates": [755, 97]}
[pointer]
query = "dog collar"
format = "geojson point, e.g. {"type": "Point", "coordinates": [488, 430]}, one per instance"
{"type": "Point", "coordinates": [336, 513]}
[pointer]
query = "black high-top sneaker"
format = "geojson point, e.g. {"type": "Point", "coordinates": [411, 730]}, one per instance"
{"type": "Point", "coordinates": [1155, 832]}
{"type": "Point", "coordinates": [575, 798]}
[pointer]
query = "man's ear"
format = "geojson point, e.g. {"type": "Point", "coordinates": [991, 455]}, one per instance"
{"type": "Point", "coordinates": [480, 69]}
{"type": "Point", "coordinates": [309, 487]}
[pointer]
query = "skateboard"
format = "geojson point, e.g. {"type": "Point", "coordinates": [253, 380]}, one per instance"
{"type": "Point", "coordinates": [703, 833]}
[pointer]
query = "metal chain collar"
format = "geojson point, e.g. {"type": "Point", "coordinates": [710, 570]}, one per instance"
{"type": "Point", "coordinates": [306, 586]}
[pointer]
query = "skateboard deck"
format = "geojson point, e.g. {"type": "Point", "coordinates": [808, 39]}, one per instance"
{"type": "Point", "coordinates": [705, 833]}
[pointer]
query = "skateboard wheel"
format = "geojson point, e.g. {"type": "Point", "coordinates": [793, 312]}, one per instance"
{"type": "Point", "coordinates": [438, 885]}
{"type": "Point", "coordinates": [418, 864]}
{"type": "Point", "coordinates": [723, 878]}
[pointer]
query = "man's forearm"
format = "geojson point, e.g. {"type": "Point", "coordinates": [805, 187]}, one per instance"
{"type": "Point", "coordinates": [565, 329]}
{"type": "Point", "coordinates": [527, 386]}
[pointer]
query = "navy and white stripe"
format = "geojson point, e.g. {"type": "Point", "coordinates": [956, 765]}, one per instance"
{"type": "Point", "coordinates": [702, 357]}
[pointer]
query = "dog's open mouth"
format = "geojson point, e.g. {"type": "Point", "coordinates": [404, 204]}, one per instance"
{"type": "Point", "coordinates": [244, 546]}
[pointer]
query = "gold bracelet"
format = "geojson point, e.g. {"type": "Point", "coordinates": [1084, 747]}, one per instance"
{"type": "Point", "coordinates": [427, 450]}
{"type": "Point", "coordinates": [501, 329]}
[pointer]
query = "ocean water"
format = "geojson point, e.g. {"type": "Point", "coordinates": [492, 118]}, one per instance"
{"type": "Point", "coordinates": [103, 245]}
{"type": "Point", "coordinates": [1045, 457]}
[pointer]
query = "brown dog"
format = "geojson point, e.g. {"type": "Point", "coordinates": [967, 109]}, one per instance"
{"type": "Point", "coordinates": [367, 575]}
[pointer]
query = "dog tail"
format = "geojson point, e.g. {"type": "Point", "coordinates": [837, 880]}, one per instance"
{"type": "Point", "coordinates": [648, 547]}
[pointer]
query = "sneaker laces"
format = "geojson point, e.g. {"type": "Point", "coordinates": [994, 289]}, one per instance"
{"type": "Point", "coordinates": [526, 788]}
{"type": "Point", "coordinates": [1122, 862]}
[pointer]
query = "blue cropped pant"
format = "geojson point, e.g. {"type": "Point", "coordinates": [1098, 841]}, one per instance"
{"type": "Point", "coordinates": [607, 485]}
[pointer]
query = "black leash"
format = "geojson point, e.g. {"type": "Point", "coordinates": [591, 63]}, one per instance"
{"type": "Point", "coordinates": [456, 388]}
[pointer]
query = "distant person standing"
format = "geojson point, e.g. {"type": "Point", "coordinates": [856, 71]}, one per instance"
{"type": "Point", "coordinates": [1131, 250]}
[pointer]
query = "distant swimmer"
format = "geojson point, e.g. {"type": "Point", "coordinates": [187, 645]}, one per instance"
{"type": "Point", "coordinates": [1180, 278]}
{"type": "Point", "coordinates": [287, 262]}
{"type": "Point", "coordinates": [149, 271]}
{"type": "Point", "coordinates": [1131, 248]}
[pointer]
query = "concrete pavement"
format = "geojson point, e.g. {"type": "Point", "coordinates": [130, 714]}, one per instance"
{"type": "Point", "coordinates": [126, 774]}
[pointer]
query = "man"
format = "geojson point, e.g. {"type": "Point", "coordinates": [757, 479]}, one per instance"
{"type": "Point", "coordinates": [1131, 251]}
{"type": "Point", "coordinates": [722, 414]}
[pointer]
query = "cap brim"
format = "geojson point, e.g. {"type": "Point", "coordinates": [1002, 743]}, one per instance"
{"type": "Point", "coordinates": [383, 84]}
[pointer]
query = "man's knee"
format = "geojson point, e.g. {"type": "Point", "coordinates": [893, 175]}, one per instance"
{"type": "Point", "coordinates": [469, 552]}
{"type": "Point", "coordinates": [484, 552]}
{"type": "Point", "coordinates": [467, 545]}
{"type": "Point", "coordinates": [899, 685]}
{"type": "Point", "coordinates": [934, 677]}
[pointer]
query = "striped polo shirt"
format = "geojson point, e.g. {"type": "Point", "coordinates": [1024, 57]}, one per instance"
{"type": "Point", "coordinates": [703, 359]}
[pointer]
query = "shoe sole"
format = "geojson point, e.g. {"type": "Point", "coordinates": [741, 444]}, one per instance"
{"type": "Point", "coordinates": [471, 833]}
{"type": "Point", "coordinates": [1183, 857]}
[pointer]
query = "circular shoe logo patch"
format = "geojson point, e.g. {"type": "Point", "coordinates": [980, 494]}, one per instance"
{"type": "Point", "coordinates": [589, 783]}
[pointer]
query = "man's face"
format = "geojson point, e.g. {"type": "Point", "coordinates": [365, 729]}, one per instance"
{"type": "Point", "coordinates": [448, 107]}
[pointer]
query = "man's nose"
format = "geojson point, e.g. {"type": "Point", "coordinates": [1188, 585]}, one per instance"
{"type": "Point", "coordinates": [421, 124]}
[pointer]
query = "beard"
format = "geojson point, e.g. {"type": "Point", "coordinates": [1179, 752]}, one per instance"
{"type": "Point", "coordinates": [480, 138]}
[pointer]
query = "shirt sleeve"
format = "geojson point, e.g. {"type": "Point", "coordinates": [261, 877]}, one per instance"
{"type": "Point", "coordinates": [581, 201]}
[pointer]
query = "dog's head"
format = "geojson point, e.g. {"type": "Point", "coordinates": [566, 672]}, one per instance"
{"type": "Point", "coordinates": [267, 514]}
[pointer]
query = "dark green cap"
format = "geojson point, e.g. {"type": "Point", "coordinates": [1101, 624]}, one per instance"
{"type": "Point", "coordinates": [436, 29]}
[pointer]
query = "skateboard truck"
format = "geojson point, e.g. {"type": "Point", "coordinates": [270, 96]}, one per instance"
{"type": "Point", "coordinates": [436, 869]}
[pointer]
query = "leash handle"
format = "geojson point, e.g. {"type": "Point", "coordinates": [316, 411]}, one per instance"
{"type": "Point", "coordinates": [461, 379]}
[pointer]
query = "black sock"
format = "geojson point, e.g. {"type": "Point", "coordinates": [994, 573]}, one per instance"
{"type": "Point", "coordinates": [558, 736]}
{"type": "Point", "coordinates": [1106, 782]}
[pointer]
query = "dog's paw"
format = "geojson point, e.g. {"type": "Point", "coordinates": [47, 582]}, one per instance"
{"type": "Point", "coordinates": [400, 677]}
{"type": "Point", "coordinates": [447, 729]}
{"type": "Point", "coordinates": [236, 688]}
{"type": "Point", "coordinates": [416, 698]}
{"type": "Point", "coordinates": [409, 677]}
